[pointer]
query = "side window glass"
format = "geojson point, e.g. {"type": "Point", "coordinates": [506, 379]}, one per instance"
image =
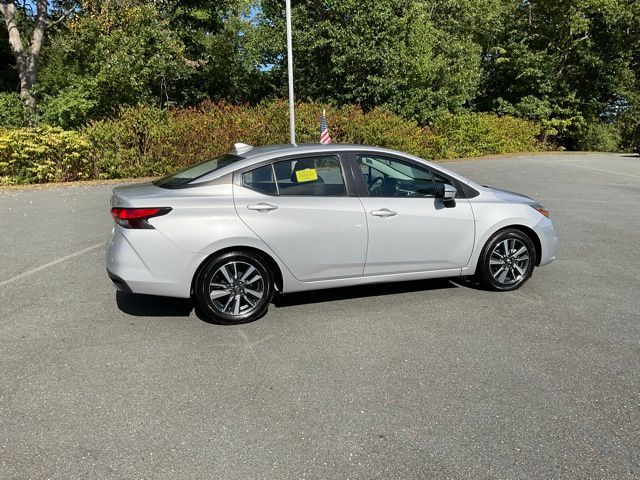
{"type": "Point", "coordinates": [260, 179]}
{"type": "Point", "coordinates": [387, 177]}
{"type": "Point", "coordinates": [315, 176]}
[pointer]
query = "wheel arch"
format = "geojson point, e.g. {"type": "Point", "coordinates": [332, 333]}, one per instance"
{"type": "Point", "coordinates": [529, 232]}
{"type": "Point", "coordinates": [273, 265]}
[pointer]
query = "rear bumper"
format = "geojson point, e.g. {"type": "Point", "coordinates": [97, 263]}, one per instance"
{"type": "Point", "coordinates": [145, 261]}
{"type": "Point", "coordinates": [119, 283]}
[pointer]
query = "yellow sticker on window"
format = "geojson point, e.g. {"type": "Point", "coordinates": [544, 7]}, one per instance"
{"type": "Point", "coordinates": [307, 175]}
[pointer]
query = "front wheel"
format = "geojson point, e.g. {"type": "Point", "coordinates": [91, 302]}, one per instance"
{"type": "Point", "coordinates": [507, 260]}
{"type": "Point", "coordinates": [234, 288]}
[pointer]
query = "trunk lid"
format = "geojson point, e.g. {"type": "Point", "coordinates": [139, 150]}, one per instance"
{"type": "Point", "coordinates": [136, 195]}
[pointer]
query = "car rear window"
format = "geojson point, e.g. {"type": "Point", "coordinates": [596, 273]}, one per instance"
{"type": "Point", "coordinates": [189, 174]}
{"type": "Point", "coordinates": [261, 180]}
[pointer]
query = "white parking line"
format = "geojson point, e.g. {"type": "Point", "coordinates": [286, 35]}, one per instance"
{"type": "Point", "coordinates": [51, 264]}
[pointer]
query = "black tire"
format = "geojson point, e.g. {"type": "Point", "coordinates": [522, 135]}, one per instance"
{"type": "Point", "coordinates": [212, 281]}
{"type": "Point", "coordinates": [501, 272]}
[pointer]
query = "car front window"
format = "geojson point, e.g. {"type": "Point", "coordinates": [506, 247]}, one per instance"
{"type": "Point", "coordinates": [387, 177]}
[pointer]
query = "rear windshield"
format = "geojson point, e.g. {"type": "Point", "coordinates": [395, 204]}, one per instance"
{"type": "Point", "coordinates": [187, 175]}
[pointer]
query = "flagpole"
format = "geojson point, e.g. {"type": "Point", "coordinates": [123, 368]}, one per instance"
{"type": "Point", "coordinates": [292, 118]}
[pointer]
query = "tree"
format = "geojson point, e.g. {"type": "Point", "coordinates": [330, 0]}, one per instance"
{"type": "Point", "coordinates": [27, 60]}
{"type": "Point", "coordinates": [115, 52]}
{"type": "Point", "coordinates": [566, 63]}
{"type": "Point", "coordinates": [9, 81]}
{"type": "Point", "coordinates": [393, 53]}
{"type": "Point", "coordinates": [220, 36]}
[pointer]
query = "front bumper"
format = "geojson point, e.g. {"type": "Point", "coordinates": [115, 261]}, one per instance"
{"type": "Point", "coordinates": [548, 241]}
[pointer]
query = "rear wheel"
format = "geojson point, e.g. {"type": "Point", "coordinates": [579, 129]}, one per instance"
{"type": "Point", "coordinates": [507, 260]}
{"type": "Point", "coordinates": [234, 288]}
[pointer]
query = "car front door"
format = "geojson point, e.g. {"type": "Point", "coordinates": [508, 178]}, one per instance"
{"type": "Point", "coordinates": [410, 227]}
{"type": "Point", "coordinates": [301, 208]}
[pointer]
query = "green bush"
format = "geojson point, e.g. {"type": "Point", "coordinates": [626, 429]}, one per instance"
{"type": "Point", "coordinates": [629, 125]}
{"type": "Point", "coordinates": [12, 114]}
{"type": "Point", "coordinates": [136, 144]}
{"type": "Point", "coordinates": [599, 137]}
{"type": "Point", "coordinates": [381, 128]}
{"type": "Point", "coordinates": [212, 128]}
{"type": "Point", "coordinates": [69, 109]}
{"type": "Point", "coordinates": [148, 141]}
{"type": "Point", "coordinates": [475, 134]}
{"type": "Point", "coordinates": [37, 155]}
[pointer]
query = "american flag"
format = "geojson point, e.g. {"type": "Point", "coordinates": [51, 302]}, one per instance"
{"type": "Point", "coordinates": [325, 138]}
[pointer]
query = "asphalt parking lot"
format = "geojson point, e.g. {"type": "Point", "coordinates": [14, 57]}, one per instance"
{"type": "Point", "coordinates": [414, 380]}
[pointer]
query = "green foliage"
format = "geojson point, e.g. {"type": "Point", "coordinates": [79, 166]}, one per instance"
{"type": "Point", "coordinates": [565, 63]}
{"type": "Point", "coordinates": [149, 141]}
{"type": "Point", "coordinates": [599, 137]}
{"type": "Point", "coordinates": [12, 111]}
{"type": "Point", "coordinates": [380, 127]}
{"type": "Point", "coordinates": [221, 39]}
{"type": "Point", "coordinates": [8, 73]}
{"type": "Point", "coordinates": [475, 134]}
{"type": "Point", "coordinates": [629, 124]}
{"type": "Point", "coordinates": [137, 143]}
{"type": "Point", "coordinates": [373, 53]}
{"type": "Point", "coordinates": [117, 53]}
{"type": "Point", "coordinates": [70, 108]}
{"type": "Point", "coordinates": [43, 154]}
{"type": "Point", "coordinates": [443, 77]}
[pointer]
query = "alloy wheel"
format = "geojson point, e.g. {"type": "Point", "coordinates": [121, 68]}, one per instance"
{"type": "Point", "coordinates": [236, 288]}
{"type": "Point", "coordinates": [509, 261]}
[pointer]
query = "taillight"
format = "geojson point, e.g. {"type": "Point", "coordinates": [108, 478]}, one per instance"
{"type": "Point", "coordinates": [137, 217]}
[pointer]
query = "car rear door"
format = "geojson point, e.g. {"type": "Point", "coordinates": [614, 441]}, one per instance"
{"type": "Point", "coordinates": [410, 230]}
{"type": "Point", "coordinates": [306, 210]}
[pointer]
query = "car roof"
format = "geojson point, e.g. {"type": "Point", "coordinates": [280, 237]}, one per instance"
{"type": "Point", "coordinates": [287, 149]}
{"type": "Point", "coordinates": [268, 152]}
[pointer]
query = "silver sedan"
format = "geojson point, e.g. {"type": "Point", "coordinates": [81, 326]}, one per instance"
{"type": "Point", "coordinates": [231, 231]}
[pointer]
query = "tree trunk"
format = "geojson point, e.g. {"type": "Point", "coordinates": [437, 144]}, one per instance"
{"type": "Point", "coordinates": [27, 63]}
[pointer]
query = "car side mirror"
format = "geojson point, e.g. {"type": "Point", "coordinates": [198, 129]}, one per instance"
{"type": "Point", "coordinates": [448, 194]}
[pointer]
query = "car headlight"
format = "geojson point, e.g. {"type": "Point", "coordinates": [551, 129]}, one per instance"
{"type": "Point", "coordinates": [540, 209]}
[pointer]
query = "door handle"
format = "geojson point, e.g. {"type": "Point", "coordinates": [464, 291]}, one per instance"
{"type": "Point", "coordinates": [262, 207]}
{"type": "Point", "coordinates": [384, 212]}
